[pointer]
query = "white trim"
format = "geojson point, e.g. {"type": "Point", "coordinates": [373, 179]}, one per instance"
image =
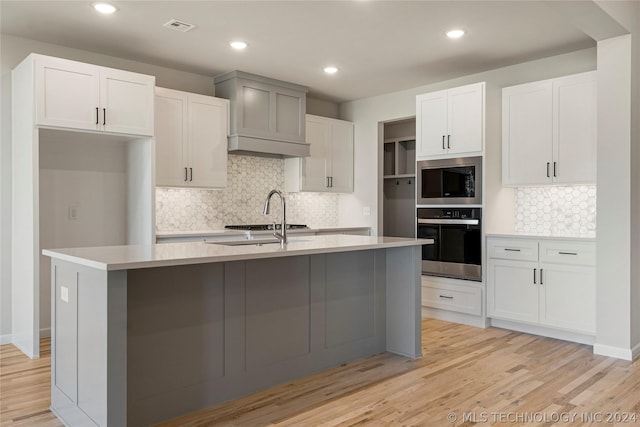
{"type": "Point", "coordinates": [451, 316]}
{"type": "Point", "coordinates": [635, 351]}
{"type": "Point", "coordinates": [617, 352]}
{"type": "Point", "coordinates": [5, 339]}
{"type": "Point", "coordinates": [544, 331]}
{"type": "Point", "coordinates": [8, 338]}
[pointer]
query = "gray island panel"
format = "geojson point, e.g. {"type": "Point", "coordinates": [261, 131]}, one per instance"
{"type": "Point", "coordinates": [173, 339]}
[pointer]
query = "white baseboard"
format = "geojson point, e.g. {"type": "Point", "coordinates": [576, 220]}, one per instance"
{"type": "Point", "coordinates": [452, 316]}
{"type": "Point", "coordinates": [544, 331]}
{"type": "Point", "coordinates": [635, 351]}
{"type": "Point", "coordinates": [8, 338]}
{"type": "Point", "coordinates": [617, 352]}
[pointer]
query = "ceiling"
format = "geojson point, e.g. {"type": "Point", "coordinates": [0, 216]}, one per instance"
{"type": "Point", "coordinates": [378, 46]}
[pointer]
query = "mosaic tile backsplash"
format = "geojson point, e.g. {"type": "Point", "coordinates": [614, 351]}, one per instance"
{"type": "Point", "coordinates": [249, 180]}
{"type": "Point", "coordinates": [562, 211]}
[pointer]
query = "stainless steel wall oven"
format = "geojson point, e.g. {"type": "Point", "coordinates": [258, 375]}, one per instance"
{"type": "Point", "coordinates": [449, 181]}
{"type": "Point", "coordinates": [457, 248]}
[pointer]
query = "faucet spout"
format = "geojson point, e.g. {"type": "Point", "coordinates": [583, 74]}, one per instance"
{"type": "Point", "coordinates": [282, 236]}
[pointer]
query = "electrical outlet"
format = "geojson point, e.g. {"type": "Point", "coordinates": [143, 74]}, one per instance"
{"type": "Point", "coordinates": [73, 213]}
{"type": "Point", "coordinates": [64, 293]}
{"type": "Point", "coordinates": [366, 211]}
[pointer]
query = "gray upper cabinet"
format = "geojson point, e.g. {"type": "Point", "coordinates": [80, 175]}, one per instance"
{"type": "Point", "coordinates": [267, 115]}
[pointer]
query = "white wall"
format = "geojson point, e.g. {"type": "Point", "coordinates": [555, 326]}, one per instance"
{"type": "Point", "coordinates": [367, 113]}
{"type": "Point", "coordinates": [618, 274]}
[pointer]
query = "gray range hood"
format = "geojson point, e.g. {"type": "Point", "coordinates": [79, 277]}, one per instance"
{"type": "Point", "coordinates": [267, 115]}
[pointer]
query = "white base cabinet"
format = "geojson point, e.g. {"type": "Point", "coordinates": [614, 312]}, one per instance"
{"type": "Point", "coordinates": [548, 283]}
{"type": "Point", "coordinates": [450, 122]}
{"type": "Point", "coordinates": [329, 167]}
{"type": "Point", "coordinates": [191, 139]}
{"type": "Point", "coordinates": [75, 95]}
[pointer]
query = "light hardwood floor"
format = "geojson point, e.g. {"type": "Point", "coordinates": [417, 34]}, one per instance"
{"type": "Point", "coordinates": [497, 376]}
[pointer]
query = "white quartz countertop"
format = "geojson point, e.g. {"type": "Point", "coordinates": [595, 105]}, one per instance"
{"type": "Point", "coordinates": [575, 237]}
{"type": "Point", "coordinates": [113, 258]}
{"type": "Point", "coordinates": [240, 233]}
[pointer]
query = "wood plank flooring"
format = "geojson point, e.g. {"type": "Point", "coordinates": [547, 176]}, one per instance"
{"type": "Point", "coordinates": [468, 376]}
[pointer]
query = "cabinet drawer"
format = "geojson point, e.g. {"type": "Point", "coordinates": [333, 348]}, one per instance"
{"type": "Point", "coordinates": [568, 252]}
{"type": "Point", "coordinates": [522, 250]}
{"type": "Point", "coordinates": [458, 298]}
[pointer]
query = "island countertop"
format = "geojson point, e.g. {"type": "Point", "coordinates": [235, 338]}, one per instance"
{"type": "Point", "coordinates": [112, 258]}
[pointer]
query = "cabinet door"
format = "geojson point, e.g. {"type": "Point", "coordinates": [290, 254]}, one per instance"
{"type": "Point", "coordinates": [268, 111]}
{"type": "Point", "coordinates": [314, 167]}
{"type": "Point", "coordinates": [171, 138]}
{"type": "Point", "coordinates": [67, 94]}
{"type": "Point", "coordinates": [207, 129]}
{"type": "Point", "coordinates": [568, 297]}
{"type": "Point", "coordinates": [126, 102]}
{"type": "Point", "coordinates": [527, 134]}
{"type": "Point", "coordinates": [511, 292]}
{"type": "Point", "coordinates": [465, 119]}
{"type": "Point", "coordinates": [341, 173]}
{"type": "Point", "coordinates": [431, 124]}
{"type": "Point", "coordinates": [574, 129]}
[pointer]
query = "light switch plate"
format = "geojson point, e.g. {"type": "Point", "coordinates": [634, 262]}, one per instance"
{"type": "Point", "coordinates": [366, 211]}
{"type": "Point", "coordinates": [64, 293]}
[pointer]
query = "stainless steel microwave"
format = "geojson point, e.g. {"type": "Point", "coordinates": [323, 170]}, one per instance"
{"type": "Point", "coordinates": [455, 181]}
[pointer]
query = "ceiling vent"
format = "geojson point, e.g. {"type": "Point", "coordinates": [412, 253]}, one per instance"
{"type": "Point", "coordinates": [181, 26]}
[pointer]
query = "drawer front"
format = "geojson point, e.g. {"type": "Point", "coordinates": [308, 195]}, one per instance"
{"type": "Point", "coordinates": [568, 252]}
{"type": "Point", "coordinates": [460, 299]}
{"type": "Point", "coordinates": [516, 249]}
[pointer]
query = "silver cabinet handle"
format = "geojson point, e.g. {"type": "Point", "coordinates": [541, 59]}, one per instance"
{"type": "Point", "coordinates": [186, 175]}
{"type": "Point", "coordinates": [534, 276]}
{"type": "Point", "coordinates": [448, 138]}
{"type": "Point", "coordinates": [541, 271]}
{"type": "Point", "coordinates": [568, 253]}
{"type": "Point", "coordinates": [512, 250]}
{"type": "Point", "coordinates": [191, 172]}
{"type": "Point", "coordinates": [97, 115]}
{"type": "Point", "coordinates": [104, 116]}
{"type": "Point", "coordinates": [446, 297]}
{"type": "Point", "coordinates": [327, 182]}
{"type": "Point", "coordinates": [443, 142]}
{"type": "Point", "coordinates": [555, 165]}
{"type": "Point", "coordinates": [548, 176]}
{"type": "Point", "coordinates": [449, 221]}
{"type": "Point", "coordinates": [331, 181]}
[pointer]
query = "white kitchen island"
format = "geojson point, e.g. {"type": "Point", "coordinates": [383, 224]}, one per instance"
{"type": "Point", "coordinates": [142, 334]}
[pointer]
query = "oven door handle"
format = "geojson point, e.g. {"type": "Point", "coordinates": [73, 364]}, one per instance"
{"type": "Point", "coordinates": [449, 221]}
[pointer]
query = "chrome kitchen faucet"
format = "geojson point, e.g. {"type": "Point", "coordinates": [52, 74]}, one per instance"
{"type": "Point", "coordinates": [282, 236]}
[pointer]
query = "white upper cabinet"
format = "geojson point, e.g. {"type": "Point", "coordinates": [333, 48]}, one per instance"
{"type": "Point", "coordinates": [549, 131]}
{"type": "Point", "coordinates": [329, 167]}
{"type": "Point", "coordinates": [450, 122]}
{"type": "Point", "coordinates": [75, 95]}
{"type": "Point", "coordinates": [191, 139]}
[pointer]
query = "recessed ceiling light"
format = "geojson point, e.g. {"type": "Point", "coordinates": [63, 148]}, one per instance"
{"type": "Point", "coordinates": [238, 45]}
{"type": "Point", "coordinates": [105, 8]}
{"type": "Point", "coordinates": [330, 70]}
{"type": "Point", "coordinates": [455, 34]}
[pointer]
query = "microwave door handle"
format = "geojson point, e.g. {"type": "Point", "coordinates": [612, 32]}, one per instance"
{"type": "Point", "coordinates": [449, 221]}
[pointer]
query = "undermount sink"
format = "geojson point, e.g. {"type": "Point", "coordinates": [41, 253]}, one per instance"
{"type": "Point", "coordinates": [250, 242]}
